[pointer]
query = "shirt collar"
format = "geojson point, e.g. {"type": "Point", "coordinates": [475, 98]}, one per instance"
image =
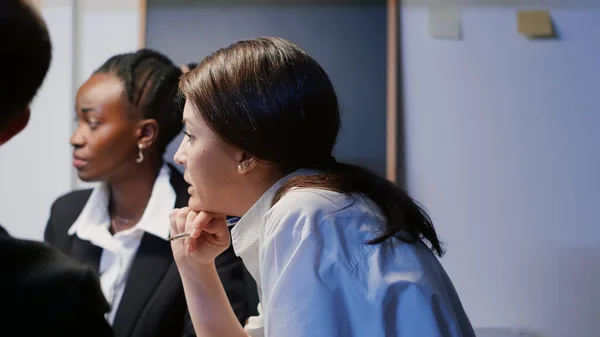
{"type": "Point", "coordinates": [246, 231]}
{"type": "Point", "coordinates": [155, 219]}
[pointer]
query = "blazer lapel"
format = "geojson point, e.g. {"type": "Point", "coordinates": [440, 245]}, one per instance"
{"type": "Point", "coordinates": [151, 262]}
{"type": "Point", "coordinates": [86, 253]}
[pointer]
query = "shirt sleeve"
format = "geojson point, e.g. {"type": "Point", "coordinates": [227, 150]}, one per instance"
{"type": "Point", "coordinates": [413, 310]}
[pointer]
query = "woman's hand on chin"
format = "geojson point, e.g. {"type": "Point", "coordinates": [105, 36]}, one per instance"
{"type": "Point", "coordinates": [209, 237]}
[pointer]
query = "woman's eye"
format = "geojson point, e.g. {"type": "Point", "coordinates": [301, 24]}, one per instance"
{"type": "Point", "coordinates": [189, 137]}
{"type": "Point", "coordinates": [93, 123]}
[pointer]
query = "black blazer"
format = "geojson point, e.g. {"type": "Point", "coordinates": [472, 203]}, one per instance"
{"type": "Point", "coordinates": [153, 302]}
{"type": "Point", "coordinates": [45, 293]}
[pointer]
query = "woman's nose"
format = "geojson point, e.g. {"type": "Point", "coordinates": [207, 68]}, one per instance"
{"type": "Point", "coordinates": [76, 139]}
{"type": "Point", "coordinates": [179, 156]}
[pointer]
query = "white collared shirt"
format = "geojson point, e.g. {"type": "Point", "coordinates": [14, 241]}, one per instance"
{"type": "Point", "coordinates": [118, 251]}
{"type": "Point", "coordinates": [318, 276]}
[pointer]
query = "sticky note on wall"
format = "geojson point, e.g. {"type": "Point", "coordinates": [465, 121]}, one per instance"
{"type": "Point", "coordinates": [444, 22]}
{"type": "Point", "coordinates": [535, 24]}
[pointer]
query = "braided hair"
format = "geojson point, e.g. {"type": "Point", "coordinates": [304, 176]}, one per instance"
{"type": "Point", "coordinates": [151, 88]}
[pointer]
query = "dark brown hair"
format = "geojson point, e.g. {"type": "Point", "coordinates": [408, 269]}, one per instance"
{"type": "Point", "coordinates": [270, 98]}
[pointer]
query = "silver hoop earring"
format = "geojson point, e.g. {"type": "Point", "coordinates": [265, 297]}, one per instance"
{"type": "Point", "coordinates": [140, 157]}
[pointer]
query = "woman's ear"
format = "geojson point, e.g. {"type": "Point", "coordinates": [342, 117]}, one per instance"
{"type": "Point", "coordinates": [246, 163]}
{"type": "Point", "coordinates": [147, 133]}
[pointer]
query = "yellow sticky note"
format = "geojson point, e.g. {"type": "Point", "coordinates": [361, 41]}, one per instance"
{"type": "Point", "coordinates": [535, 24]}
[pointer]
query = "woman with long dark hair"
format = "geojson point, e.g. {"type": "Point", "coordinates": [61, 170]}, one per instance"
{"type": "Point", "coordinates": [335, 249]}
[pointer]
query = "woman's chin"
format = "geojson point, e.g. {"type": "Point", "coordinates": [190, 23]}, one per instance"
{"type": "Point", "coordinates": [195, 204]}
{"type": "Point", "coordinates": [86, 177]}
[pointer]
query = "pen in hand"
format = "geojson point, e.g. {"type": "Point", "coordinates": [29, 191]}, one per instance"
{"type": "Point", "coordinates": [179, 236]}
{"type": "Point", "coordinates": [230, 222]}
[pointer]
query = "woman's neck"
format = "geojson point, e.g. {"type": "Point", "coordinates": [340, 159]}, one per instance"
{"type": "Point", "coordinates": [256, 185]}
{"type": "Point", "coordinates": [129, 195]}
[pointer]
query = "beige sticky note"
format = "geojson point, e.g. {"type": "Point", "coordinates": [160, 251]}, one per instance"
{"type": "Point", "coordinates": [535, 24]}
{"type": "Point", "coordinates": [444, 22]}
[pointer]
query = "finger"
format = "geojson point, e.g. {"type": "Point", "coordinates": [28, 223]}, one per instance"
{"type": "Point", "coordinates": [215, 226]}
{"type": "Point", "coordinates": [180, 220]}
{"type": "Point", "coordinates": [173, 220]}
{"type": "Point", "coordinates": [189, 221]}
{"type": "Point", "coordinates": [173, 214]}
{"type": "Point", "coordinates": [219, 230]}
{"type": "Point", "coordinates": [200, 221]}
{"type": "Point", "coordinates": [190, 242]}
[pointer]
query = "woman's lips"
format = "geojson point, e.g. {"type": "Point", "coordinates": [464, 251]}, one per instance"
{"type": "Point", "coordinates": [79, 163]}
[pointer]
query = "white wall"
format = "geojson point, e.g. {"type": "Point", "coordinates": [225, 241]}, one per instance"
{"type": "Point", "coordinates": [36, 165]}
{"type": "Point", "coordinates": [106, 28]}
{"type": "Point", "coordinates": [501, 147]}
